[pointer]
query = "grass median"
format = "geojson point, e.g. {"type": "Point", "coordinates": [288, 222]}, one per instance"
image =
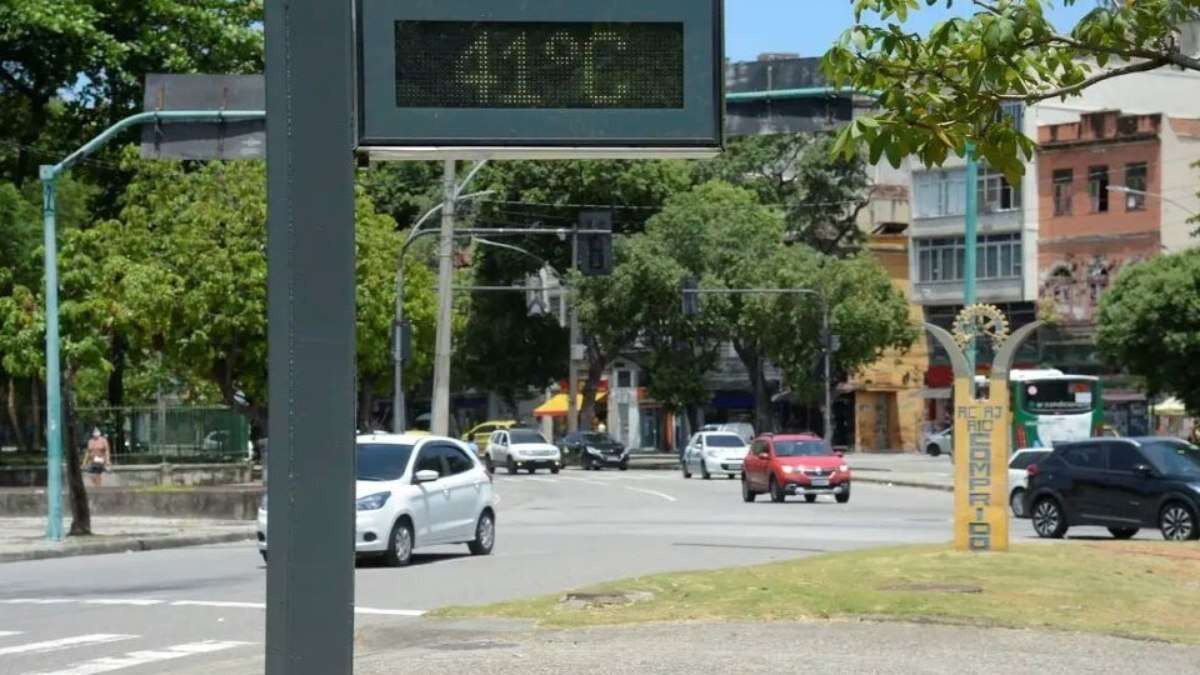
{"type": "Point", "coordinates": [1145, 590]}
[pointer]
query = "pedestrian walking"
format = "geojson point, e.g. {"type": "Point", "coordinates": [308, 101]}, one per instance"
{"type": "Point", "coordinates": [99, 456]}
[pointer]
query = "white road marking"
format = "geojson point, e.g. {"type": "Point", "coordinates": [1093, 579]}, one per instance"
{"type": "Point", "coordinates": [37, 601]}
{"type": "Point", "coordinates": [136, 602]}
{"type": "Point", "coordinates": [219, 603]}
{"type": "Point", "coordinates": [542, 480]}
{"type": "Point", "coordinates": [9, 633]}
{"type": "Point", "coordinates": [388, 612]}
{"type": "Point", "coordinates": [652, 492]}
{"type": "Point", "coordinates": [64, 643]}
{"type": "Point", "coordinates": [585, 480]}
{"type": "Point", "coordinates": [140, 658]}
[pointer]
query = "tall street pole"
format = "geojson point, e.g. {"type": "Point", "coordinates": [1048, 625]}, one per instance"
{"type": "Point", "coordinates": [972, 242]}
{"type": "Point", "coordinates": [310, 337]}
{"type": "Point", "coordinates": [828, 369]}
{"type": "Point", "coordinates": [441, 363]}
{"type": "Point", "coordinates": [572, 371]}
{"type": "Point", "coordinates": [54, 449]}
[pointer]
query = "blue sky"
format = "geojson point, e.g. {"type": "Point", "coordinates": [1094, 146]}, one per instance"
{"type": "Point", "coordinates": [809, 27]}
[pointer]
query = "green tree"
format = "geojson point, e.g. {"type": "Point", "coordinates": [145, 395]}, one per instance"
{"type": "Point", "coordinates": [183, 273]}
{"type": "Point", "coordinates": [1149, 324]}
{"type": "Point", "coordinates": [938, 91]}
{"type": "Point", "coordinates": [821, 196]}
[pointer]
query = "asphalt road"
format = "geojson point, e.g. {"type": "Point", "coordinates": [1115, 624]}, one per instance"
{"type": "Point", "coordinates": [200, 609]}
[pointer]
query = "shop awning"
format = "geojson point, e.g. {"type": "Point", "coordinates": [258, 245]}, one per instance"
{"type": "Point", "coordinates": [556, 406]}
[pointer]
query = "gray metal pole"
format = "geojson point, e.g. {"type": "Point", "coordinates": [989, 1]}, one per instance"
{"type": "Point", "coordinates": [828, 338]}
{"type": "Point", "coordinates": [572, 371]}
{"type": "Point", "coordinates": [311, 337]}
{"type": "Point", "coordinates": [441, 358]}
{"type": "Point", "coordinates": [399, 414]}
{"type": "Point", "coordinates": [54, 448]}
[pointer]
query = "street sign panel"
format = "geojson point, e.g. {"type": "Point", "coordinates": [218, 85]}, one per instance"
{"type": "Point", "coordinates": [540, 78]}
{"type": "Point", "coordinates": [231, 139]}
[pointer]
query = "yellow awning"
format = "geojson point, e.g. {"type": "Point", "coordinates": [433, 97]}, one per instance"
{"type": "Point", "coordinates": [1172, 407]}
{"type": "Point", "coordinates": [556, 406]}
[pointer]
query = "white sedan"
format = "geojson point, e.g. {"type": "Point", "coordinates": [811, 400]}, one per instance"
{"type": "Point", "coordinates": [413, 492]}
{"type": "Point", "coordinates": [714, 453]}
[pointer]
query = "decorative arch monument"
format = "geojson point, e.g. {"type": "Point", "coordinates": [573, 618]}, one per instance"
{"type": "Point", "coordinates": [981, 427]}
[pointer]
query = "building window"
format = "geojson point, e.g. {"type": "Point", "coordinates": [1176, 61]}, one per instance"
{"type": "Point", "coordinates": [1098, 188]}
{"type": "Point", "coordinates": [1064, 190]}
{"type": "Point", "coordinates": [624, 379]}
{"type": "Point", "coordinates": [942, 259]}
{"type": "Point", "coordinates": [995, 194]}
{"type": "Point", "coordinates": [1015, 111]}
{"type": "Point", "coordinates": [1135, 180]}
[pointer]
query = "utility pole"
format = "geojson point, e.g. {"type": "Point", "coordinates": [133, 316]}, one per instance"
{"type": "Point", "coordinates": [971, 244]}
{"type": "Point", "coordinates": [572, 372]}
{"type": "Point", "coordinates": [829, 346]}
{"type": "Point", "coordinates": [441, 363]}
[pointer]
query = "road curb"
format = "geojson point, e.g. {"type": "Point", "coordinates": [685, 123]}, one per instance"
{"type": "Point", "coordinates": [129, 544]}
{"type": "Point", "coordinates": [905, 483]}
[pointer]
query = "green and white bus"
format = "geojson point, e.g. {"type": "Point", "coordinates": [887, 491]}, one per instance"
{"type": "Point", "coordinates": [1050, 407]}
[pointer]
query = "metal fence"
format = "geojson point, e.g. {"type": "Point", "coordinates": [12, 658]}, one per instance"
{"type": "Point", "coordinates": [169, 433]}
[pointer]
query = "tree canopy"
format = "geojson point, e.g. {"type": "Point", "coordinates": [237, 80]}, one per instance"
{"type": "Point", "coordinates": [940, 90]}
{"type": "Point", "coordinates": [1149, 324]}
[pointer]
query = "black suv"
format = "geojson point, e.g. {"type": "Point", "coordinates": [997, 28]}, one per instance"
{"type": "Point", "coordinates": [1123, 484]}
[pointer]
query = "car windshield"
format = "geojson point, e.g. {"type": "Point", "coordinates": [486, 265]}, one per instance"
{"type": "Point", "coordinates": [801, 449]}
{"type": "Point", "coordinates": [1024, 459]}
{"type": "Point", "coordinates": [595, 438]}
{"type": "Point", "coordinates": [524, 436]}
{"type": "Point", "coordinates": [1174, 457]}
{"type": "Point", "coordinates": [724, 441]}
{"type": "Point", "coordinates": [382, 461]}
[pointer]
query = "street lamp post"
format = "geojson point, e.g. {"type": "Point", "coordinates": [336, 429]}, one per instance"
{"type": "Point", "coordinates": [1124, 189]}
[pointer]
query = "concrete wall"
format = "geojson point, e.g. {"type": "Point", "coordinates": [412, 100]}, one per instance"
{"type": "Point", "coordinates": [1180, 181]}
{"type": "Point", "coordinates": [208, 503]}
{"type": "Point", "coordinates": [148, 475]}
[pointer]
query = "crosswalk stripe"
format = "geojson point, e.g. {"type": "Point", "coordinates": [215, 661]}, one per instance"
{"type": "Point", "coordinates": [64, 643]}
{"type": "Point", "coordinates": [140, 658]}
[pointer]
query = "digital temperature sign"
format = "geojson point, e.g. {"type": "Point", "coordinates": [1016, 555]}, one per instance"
{"type": "Point", "coordinates": [540, 78]}
{"type": "Point", "coordinates": [463, 64]}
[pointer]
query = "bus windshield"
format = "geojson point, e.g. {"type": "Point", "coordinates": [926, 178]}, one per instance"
{"type": "Point", "coordinates": [1057, 396]}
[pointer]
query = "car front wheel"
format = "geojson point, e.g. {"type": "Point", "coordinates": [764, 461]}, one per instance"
{"type": "Point", "coordinates": [1178, 522]}
{"type": "Point", "coordinates": [1048, 519]}
{"type": "Point", "coordinates": [511, 466]}
{"type": "Point", "coordinates": [933, 450]}
{"type": "Point", "coordinates": [485, 535]}
{"type": "Point", "coordinates": [1016, 501]}
{"type": "Point", "coordinates": [776, 489]}
{"type": "Point", "coordinates": [843, 497]}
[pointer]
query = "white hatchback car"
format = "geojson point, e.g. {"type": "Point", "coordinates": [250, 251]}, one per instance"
{"type": "Point", "coordinates": [415, 491]}
{"type": "Point", "coordinates": [715, 452]}
{"type": "Point", "coordinates": [517, 449]}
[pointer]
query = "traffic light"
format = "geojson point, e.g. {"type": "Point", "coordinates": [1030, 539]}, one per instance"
{"type": "Point", "coordinates": [691, 299]}
{"type": "Point", "coordinates": [594, 253]}
{"type": "Point", "coordinates": [401, 341]}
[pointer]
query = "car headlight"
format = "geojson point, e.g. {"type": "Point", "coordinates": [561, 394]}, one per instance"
{"type": "Point", "coordinates": [593, 451]}
{"type": "Point", "coordinates": [1195, 486]}
{"type": "Point", "coordinates": [372, 502]}
{"type": "Point", "coordinates": [793, 469]}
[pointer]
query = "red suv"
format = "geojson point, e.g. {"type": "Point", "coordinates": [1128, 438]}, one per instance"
{"type": "Point", "coordinates": [794, 464]}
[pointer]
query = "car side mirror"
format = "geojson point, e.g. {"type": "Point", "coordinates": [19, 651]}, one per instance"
{"type": "Point", "coordinates": [764, 455]}
{"type": "Point", "coordinates": [839, 453]}
{"type": "Point", "coordinates": [426, 476]}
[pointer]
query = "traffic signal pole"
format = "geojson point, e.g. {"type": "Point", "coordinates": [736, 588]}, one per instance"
{"type": "Point", "coordinates": [441, 357]}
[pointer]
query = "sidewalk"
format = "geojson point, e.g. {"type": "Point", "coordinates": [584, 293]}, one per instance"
{"type": "Point", "coordinates": [25, 538]}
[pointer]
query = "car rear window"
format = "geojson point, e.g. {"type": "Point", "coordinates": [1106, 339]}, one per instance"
{"type": "Point", "coordinates": [1089, 456]}
{"type": "Point", "coordinates": [724, 441]}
